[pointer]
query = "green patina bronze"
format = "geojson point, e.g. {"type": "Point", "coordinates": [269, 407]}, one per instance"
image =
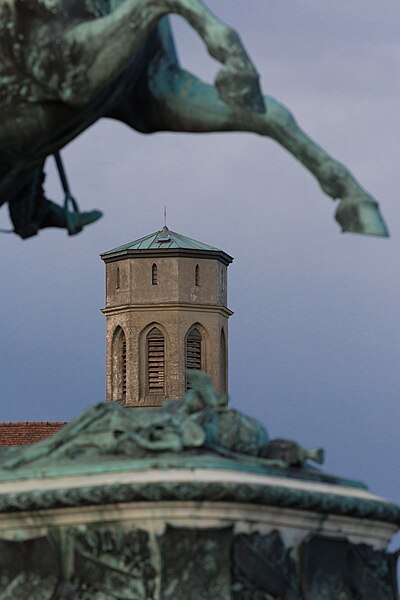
{"type": "Point", "coordinates": [258, 494]}
{"type": "Point", "coordinates": [64, 65]}
{"type": "Point", "coordinates": [106, 562]}
{"type": "Point", "coordinates": [119, 559]}
{"type": "Point", "coordinates": [201, 431]}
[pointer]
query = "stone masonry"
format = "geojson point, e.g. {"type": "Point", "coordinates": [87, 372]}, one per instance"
{"type": "Point", "coordinates": [174, 284]}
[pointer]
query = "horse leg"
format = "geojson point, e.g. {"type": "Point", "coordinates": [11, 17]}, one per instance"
{"type": "Point", "coordinates": [96, 51]}
{"type": "Point", "coordinates": [180, 102]}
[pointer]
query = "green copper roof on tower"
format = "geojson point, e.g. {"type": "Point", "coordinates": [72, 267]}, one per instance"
{"type": "Point", "coordinates": [163, 239]}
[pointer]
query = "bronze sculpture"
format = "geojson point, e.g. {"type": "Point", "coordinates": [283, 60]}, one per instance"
{"type": "Point", "coordinates": [202, 419]}
{"type": "Point", "coordinates": [190, 500]}
{"type": "Point", "coordinates": [64, 64]}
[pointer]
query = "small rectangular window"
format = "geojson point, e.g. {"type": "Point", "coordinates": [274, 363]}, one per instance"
{"type": "Point", "coordinates": [154, 275]}
{"type": "Point", "coordinates": [117, 279]}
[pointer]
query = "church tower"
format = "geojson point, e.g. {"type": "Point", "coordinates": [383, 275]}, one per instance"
{"type": "Point", "coordinates": [166, 311]}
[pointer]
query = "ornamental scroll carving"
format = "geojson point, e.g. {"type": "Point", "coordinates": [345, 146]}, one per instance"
{"type": "Point", "coordinates": [334, 568]}
{"type": "Point", "coordinates": [106, 562]}
{"type": "Point", "coordinates": [113, 564]}
{"type": "Point", "coordinates": [263, 568]}
{"type": "Point", "coordinates": [196, 563]}
{"type": "Point", "coordinates": [28, 569]}
{"type": "Point", "coordinates": [93, 563]}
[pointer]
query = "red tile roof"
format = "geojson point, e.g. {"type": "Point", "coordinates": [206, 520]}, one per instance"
{"type": "Point", "coordinates": [23, 433]}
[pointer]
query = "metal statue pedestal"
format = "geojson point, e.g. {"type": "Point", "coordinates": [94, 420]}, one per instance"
{"type": "Point", "coordinates": [184, 503]}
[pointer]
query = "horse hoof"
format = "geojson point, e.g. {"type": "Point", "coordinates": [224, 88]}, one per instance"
{"type": "Point", "coordinates": [361, 216]}
{"type": "Point", "coordinates": [76, 221]}
{"type": "Point", "coordinates": [240, 90]}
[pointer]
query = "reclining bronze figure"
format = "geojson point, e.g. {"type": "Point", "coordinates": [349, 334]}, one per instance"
{"type": "Point", "coordinates": [64, 64]}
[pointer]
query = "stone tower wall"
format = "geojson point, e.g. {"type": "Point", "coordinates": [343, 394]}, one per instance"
{"type": "Point", "coordinates": [174, 306]}
{"type": "Point", "coordinates": [176, 281]}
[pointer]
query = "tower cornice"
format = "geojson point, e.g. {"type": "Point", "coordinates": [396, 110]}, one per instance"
{"type": "Point", "coordinates": [219, 255]}
{"type": "Point", "coordinates": [167, 306]}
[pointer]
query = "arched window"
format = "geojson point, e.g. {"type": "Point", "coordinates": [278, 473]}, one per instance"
{"type": "Point", "coordinates": [154, 274]}
{"type": "Point", "coordinates": [155, 362]}
{"type": "Point", "coordinates": [197, 275]}
{"type": "Point", "coordinates": [118, 372]}
{"type": "Point", "coordinates": [224, 363]}
{"type": "Point", "coordinates": [193, 351]}
{"type": "Point", "coordinates": [117, 279]}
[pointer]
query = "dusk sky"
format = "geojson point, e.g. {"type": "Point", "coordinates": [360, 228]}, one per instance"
{"type": "Point", "coordinates": [314, 341]}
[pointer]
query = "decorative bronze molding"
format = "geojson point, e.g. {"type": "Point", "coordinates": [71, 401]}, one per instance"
{"type": "Point", "coordinates": [197, 491]}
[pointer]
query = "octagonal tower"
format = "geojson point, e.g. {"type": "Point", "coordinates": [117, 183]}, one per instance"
{"type": "Point", "coordinates": [166, 311]}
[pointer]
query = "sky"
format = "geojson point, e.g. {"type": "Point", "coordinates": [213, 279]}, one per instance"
{"type": "Point", "coordinates": [314, 341]}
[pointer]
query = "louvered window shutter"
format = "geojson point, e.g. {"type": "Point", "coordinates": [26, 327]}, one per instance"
{"type": "Point", "coordinates": [156, 362]}
{"type": "Point", "coordinates": [193, 351]}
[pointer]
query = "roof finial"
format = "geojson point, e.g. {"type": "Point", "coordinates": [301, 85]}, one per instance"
{"type": "Point", "coordinates": [165, 215]}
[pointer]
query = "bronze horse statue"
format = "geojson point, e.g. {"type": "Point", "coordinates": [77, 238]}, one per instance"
{"type": "Point", "coordinates": [64, 64]}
